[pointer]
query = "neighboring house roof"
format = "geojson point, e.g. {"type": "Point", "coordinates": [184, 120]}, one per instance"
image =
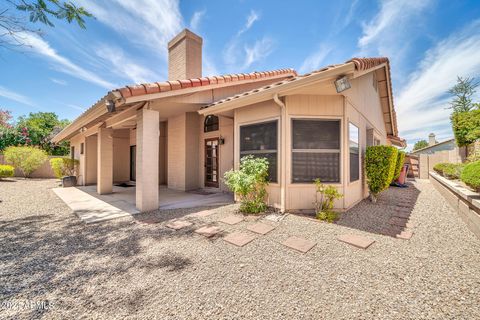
{"type": "Point", "coordinates": [359, 64]}
{"type": "Point", "coordinates": [433, 146]}
{"type": "Point", "coordinates": [170, 88]}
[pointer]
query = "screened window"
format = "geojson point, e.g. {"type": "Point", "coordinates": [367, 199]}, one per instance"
{"type": "Point", "coordinates": [210, 124]}
{"type": "Point", "coordinates": [353, 141]}
{"type": "Point", "coordinates": [315, 150]}
{"type": "Point", "coordinates": [260, 140]}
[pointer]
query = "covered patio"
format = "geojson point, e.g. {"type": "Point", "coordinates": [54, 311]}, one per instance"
{"type": "Point", "coordinates": [91, 207]}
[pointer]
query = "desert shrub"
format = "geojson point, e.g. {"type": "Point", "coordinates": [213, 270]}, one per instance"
{"type": "Point", "coordinates": [64, 167]}
{"type": "Point", "coordinates": [449, 170]}
{"type": "Point", "coordinates": [380, 168]}
{"type": "Point", "coordinates": [249, 183]}
{"type": "Point", "coordinates": [27, 159]}
{"type": "Point", "coordinates": [399, 164]}
{"type": "Point", "coordinates": [6, 171]}
{"type": "Point", "coordinates": [324, 205]}
{"type": "Point", "coordinates": [471, 175]}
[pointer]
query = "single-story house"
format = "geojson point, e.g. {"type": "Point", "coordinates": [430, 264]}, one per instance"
{"type": "Point", "coordinates": [435, 146]}
{"type": "Point", "coordinates": [187, 133]}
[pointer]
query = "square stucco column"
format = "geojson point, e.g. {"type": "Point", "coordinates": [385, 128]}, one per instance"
{"type": "Point", "coordinates": [104, 161]}
{"type": "Point", "coordinates": [148, 122]}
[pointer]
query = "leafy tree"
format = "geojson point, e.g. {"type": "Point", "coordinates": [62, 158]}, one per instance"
{"type": "Point", "coordinates": [27, 159]}
{"type": "Point", "coordinates": [14, 25]}
{"type": "Point", "coordinates": [420, 144]}
{"type": "Point", "coordinates": [466, 127]}
{"type": "Point", "coordinates": [462, 93]}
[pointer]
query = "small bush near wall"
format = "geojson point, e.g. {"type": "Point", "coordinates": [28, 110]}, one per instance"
{"type": "Point", "coordinates": [64, 167]}
{"type": "Point", "coordinates": [399, 165]}
{"type": "Point", "coordinates": [380, 166]}
{"type": "Point", "coordinates": [324, 205]}
{"type": "Point", "coordinates": [27, 159]}
{"type": "Point", "coordinates": [249, 183]}
{"type": "Point", "coordinates": [449, 170]}
{"type": "Point", "coordinates": [471, 175]}
{"type": "Point", "coordinates": [6, 171]}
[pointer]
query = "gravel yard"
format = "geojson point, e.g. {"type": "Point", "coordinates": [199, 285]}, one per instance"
{"type": "Point", "coordinates": [138, 268]}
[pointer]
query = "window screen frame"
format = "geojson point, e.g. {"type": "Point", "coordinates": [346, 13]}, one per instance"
{"type": "Point", "coordinates": [255, 122]}
{"type": "Point", "coordinates": [359, 153]}
{"type": "Point", "coordinates": [340, 120]}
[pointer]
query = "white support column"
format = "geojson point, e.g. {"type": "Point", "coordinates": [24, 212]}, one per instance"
{"type": "Point", "coordinates": [147, 132]}
{"type": "Point", "coordinates": [105, 161]}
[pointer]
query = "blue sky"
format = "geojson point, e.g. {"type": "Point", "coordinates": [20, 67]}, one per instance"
{"type": "Point", "coordinates": [428, 42]}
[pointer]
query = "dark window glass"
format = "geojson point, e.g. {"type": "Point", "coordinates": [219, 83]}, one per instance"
{"type": "Point", "coordinates": [260, 140]}
{"type": "Point", "coordinates": [82, 146]}
{"type": "Point", "coordinates": [211, 123]}
{"type": "Point", "coordinates": [353, 134]}
{"type": "Point", "coordinates": [315, 151]}
{"type": "Point", "coordinates": [316, 134]}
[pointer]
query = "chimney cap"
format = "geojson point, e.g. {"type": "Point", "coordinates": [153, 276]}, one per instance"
{"type": "Point", "coordinates": [185, 33]}
{"type": "Point", "coordinates": [431, 134]}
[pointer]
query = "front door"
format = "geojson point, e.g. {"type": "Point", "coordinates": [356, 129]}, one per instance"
{"type": "Point", "coordinates": [133, 165]}
{"type": "Point", "coordinates": [211, 162]}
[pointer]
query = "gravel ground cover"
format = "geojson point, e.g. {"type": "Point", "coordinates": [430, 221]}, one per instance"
{"type": "Point", "coordinates": [138, 268]}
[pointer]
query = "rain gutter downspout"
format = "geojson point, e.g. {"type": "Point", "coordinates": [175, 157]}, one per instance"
{"type": "Point", "coordinates": [283, 154]}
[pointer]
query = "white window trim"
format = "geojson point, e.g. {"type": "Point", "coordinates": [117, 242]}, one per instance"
{"type": "Point", "coordinates": [359, 153]}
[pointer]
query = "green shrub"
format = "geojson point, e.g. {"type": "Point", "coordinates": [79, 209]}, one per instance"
{"type": "Point", "coordinates": [380, 164]}
{"type": "Point", "coordinates": [449, 170]}
{"type": "Point", "coordinates": [466, 126]}
{"type": "Point", "coordinates": [399, 165]}
{"type": "Point", "coordinates": [6, 171]}
{"type": "Point", "coordinates": [249, 183]}
{"type": "Point", "coordinates": [27, 159]}
{"type": "Point", "coordinates": [64, 167]}
{"type": "Point", "coordinates": [471, 175]}
{"type": "Point", "coordinates": [324, 206]}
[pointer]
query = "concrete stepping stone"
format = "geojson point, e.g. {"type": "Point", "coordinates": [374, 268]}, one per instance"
{"type": "Point", "coordinates": [299, 244]}
{"type": "Point", "coordinates": [260, 228]}
{"type": "Point", "coordinates": [178, 224]}
{"type": "Point", "coordinates": [356, 241]}
{"type": "Point", "coordinates": [239, 238]}
{"type": "Point", "coordinates": [208, 231]}
{"type": "Point", "coordinates": [405, 235]}
{"type": "Point", "coordinates": [204, 213]}
{"type": "Point", "coordinates": [410, 225]}
{"type": "Point", "coordinates": [232, 219]}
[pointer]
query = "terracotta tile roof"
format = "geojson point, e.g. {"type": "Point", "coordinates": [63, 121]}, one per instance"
{"type": "Point", "coordinates": [156, 87]}
{"type": "Point", "coordinates": [367, 63]}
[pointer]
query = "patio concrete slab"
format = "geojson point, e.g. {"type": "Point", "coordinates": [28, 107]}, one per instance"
{"type": "Point", "coordinates": [231, 219]}
{"type": "Point", "coordinates": [261, 228]}
{"type": "Point", "coordinates": [299, 244]}
{"type": "Point", "coordinates": [91, 209]}
{"type": "Point", "coordinates": [179, 224]}
{"type": "Point", "coordinates": [356, 241]}
{"type": "Point", "coordinates": [239, 238]}
{"type": "Point", "coordinates": [208, 231]}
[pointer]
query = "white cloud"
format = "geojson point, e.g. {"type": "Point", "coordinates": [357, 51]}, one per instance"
{"type": "Point", "coordinates": [14, 96]}
{"type": "Point", "coordinates": [315, 60]}
{"type": "Point", "coordinates": [73, 106]}
{"type": "Point", "coordinates": [251, 18]}
{"type": "Point", "coordinates": [59, 81]}
{"type": "Point", "coordinates": [196, 19]}
{"type": "Point", "coordinates": [125, 67]}
{"type": "Point", "coordinates": [259, 51]}
{"type": "Point", "coordinates": [150, 23]}
{"type": "Point", "coordinates": [39, 46]}
{"type": "Point", "coordinates": [423, 101]}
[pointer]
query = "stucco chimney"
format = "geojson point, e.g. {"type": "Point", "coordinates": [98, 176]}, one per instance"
{"type": "Point", "coordinates": [431, 139]}
{"type": "Point", "coordinates": [185, 56]}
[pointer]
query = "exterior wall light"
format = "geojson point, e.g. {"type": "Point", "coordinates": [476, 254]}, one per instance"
{"type": "Point", "coordinates": [342, 84]}
{"type": "Point", "coordinates": [110, 106]}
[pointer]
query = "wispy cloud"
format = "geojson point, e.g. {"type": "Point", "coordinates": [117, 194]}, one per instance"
{"type": "Point", "coordinates": [196, 19]}
{"type": "Point", "coordinates": [125, 67]}
{"type": "Point", "coordinates": [238, 60]}
{"type": "Point", "coordinates": [315, 60]}
{"type": "Point", "coordinates": [425, 94]}
{"type": "Point", "coordinates": [41, 47]}
{"type": "Point", "coordinates": [74, 106]}
{"type": "Point", "coordinates": [59, 81]}
{"type": "Point", "coordinates": [150, 23]}
{"type": "Point", "coordinates": [15, 96]}
{"type": "Point", "coordinates": [259, 51]}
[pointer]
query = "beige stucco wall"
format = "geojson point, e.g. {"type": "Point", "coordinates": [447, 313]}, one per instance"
{"type": "Point", "coordinates": [121, 155]}
{"type": "Point", "coordinates": [225, 158]}
{"type": "Point", "coordinates": [90, 160]}
{"type": "Point", "coordinates": [259, 112]}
